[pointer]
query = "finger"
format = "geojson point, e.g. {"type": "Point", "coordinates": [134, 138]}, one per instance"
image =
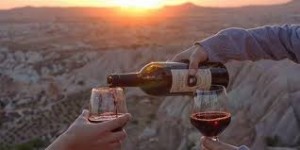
{"type": "Point", "coordinates": [217, 145]}
{"type": "Point", "coordinates": [108, 145]}
{"type": "Point", "coordinates": [197, 56]}
{"type": "Point", "coordinates": [115, 146]}
{"type": "Point", "coordinates": [105, 146]}
{"type": "Point", "coordinates": [201, 143]}
{"type": "Point", "coordinates": [204, 148]}
{"type": "Point", "coordinates": [194, 62]}
{"type": "Point", "coordinates": [121, 137]}
{"type": "Point", "coordinates": [113, 124]}
{"type": "Point", "coordinates": [113, 137]}
{"type": "Point", "coordinates": [202, 139]}
{"type": "Point", "coordinates": [183, 55]}
{"type": "Point", "coordinates": [209, 144]}
{"type": "Point", "coordinates": [84, 115]}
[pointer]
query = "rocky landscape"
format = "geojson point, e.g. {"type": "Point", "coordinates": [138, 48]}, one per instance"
{"type": "Point", "coordinates": [50, 58]}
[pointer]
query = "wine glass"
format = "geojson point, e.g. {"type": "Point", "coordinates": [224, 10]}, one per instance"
{"type": "Point", "coordinates": [107, 104]}
{"type": "Point", "coordinates": [209, 113]}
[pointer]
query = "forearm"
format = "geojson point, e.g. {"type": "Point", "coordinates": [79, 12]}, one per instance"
{"type": "Point", "coordinates": [276, 42]}
{"type": "Point", "coordinates": [61, 143]}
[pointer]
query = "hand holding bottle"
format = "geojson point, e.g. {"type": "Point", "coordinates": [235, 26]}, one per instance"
{"type": "Point", "coordinates": [195, 54]}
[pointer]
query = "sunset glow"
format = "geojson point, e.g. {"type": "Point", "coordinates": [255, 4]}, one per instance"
{"type": "Point", "coordinates": [138, 4]}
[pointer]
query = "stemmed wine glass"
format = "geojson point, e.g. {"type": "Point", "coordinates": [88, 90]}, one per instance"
{"type": "Point", "coordinates": [107, 104]}
{"type": "Point", "coordinates": [209, 113]}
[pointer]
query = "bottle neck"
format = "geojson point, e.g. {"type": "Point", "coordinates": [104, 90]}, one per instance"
{"type": "Point", "coordinates": [123, 80]}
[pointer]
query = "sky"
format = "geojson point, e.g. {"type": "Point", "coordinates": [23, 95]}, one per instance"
{"type": "Point", "coordinates": [6, 4]}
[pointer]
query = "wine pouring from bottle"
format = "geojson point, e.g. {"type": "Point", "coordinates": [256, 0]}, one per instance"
{"type": "Point", "coordinates": [172, 78]}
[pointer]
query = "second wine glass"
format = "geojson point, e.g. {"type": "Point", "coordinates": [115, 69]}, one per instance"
{"type": "Point", "coordinates": [209, 113]}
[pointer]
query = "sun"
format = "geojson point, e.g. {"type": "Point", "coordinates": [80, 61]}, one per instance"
{"type": "Point", "coordinates": [138, 4]}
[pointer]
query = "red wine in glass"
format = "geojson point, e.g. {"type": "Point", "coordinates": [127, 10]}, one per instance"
{"type": "Point", "coordinates": [107, 104]}
{"type": "Point", "coordinates": [209, 114]}
{"type": "Point", "coordinates": [106, 117]}
{"type": "Point", "coordinates": [212, 123]}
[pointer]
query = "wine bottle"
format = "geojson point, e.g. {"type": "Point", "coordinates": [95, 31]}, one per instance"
{"type": "Point", "coordinates": [171, 78]}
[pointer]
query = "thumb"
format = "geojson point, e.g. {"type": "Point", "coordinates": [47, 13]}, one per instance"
{"type": "Point", "coordinates": [194, 63]}
{"type": "Point", "coordinates": [85, 114]}
{"type": "Point", "coordinates": [198, 56]}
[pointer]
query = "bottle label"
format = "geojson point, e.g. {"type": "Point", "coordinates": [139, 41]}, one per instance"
{"type": "Point", "coordinates": [180, 79]}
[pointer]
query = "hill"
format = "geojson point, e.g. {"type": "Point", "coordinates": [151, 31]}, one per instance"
{"type": "Point", "coordinates": [44, 13]}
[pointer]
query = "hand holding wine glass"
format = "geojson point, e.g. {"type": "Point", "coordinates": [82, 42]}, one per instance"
{"type": "Point", "coordinates": [102, 128]}
{"type": "Point", "coordinates": [83, 135]}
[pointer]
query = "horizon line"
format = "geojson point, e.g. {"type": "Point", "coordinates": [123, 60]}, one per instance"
{"type": "Point", "coordinates": [161, 7]}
